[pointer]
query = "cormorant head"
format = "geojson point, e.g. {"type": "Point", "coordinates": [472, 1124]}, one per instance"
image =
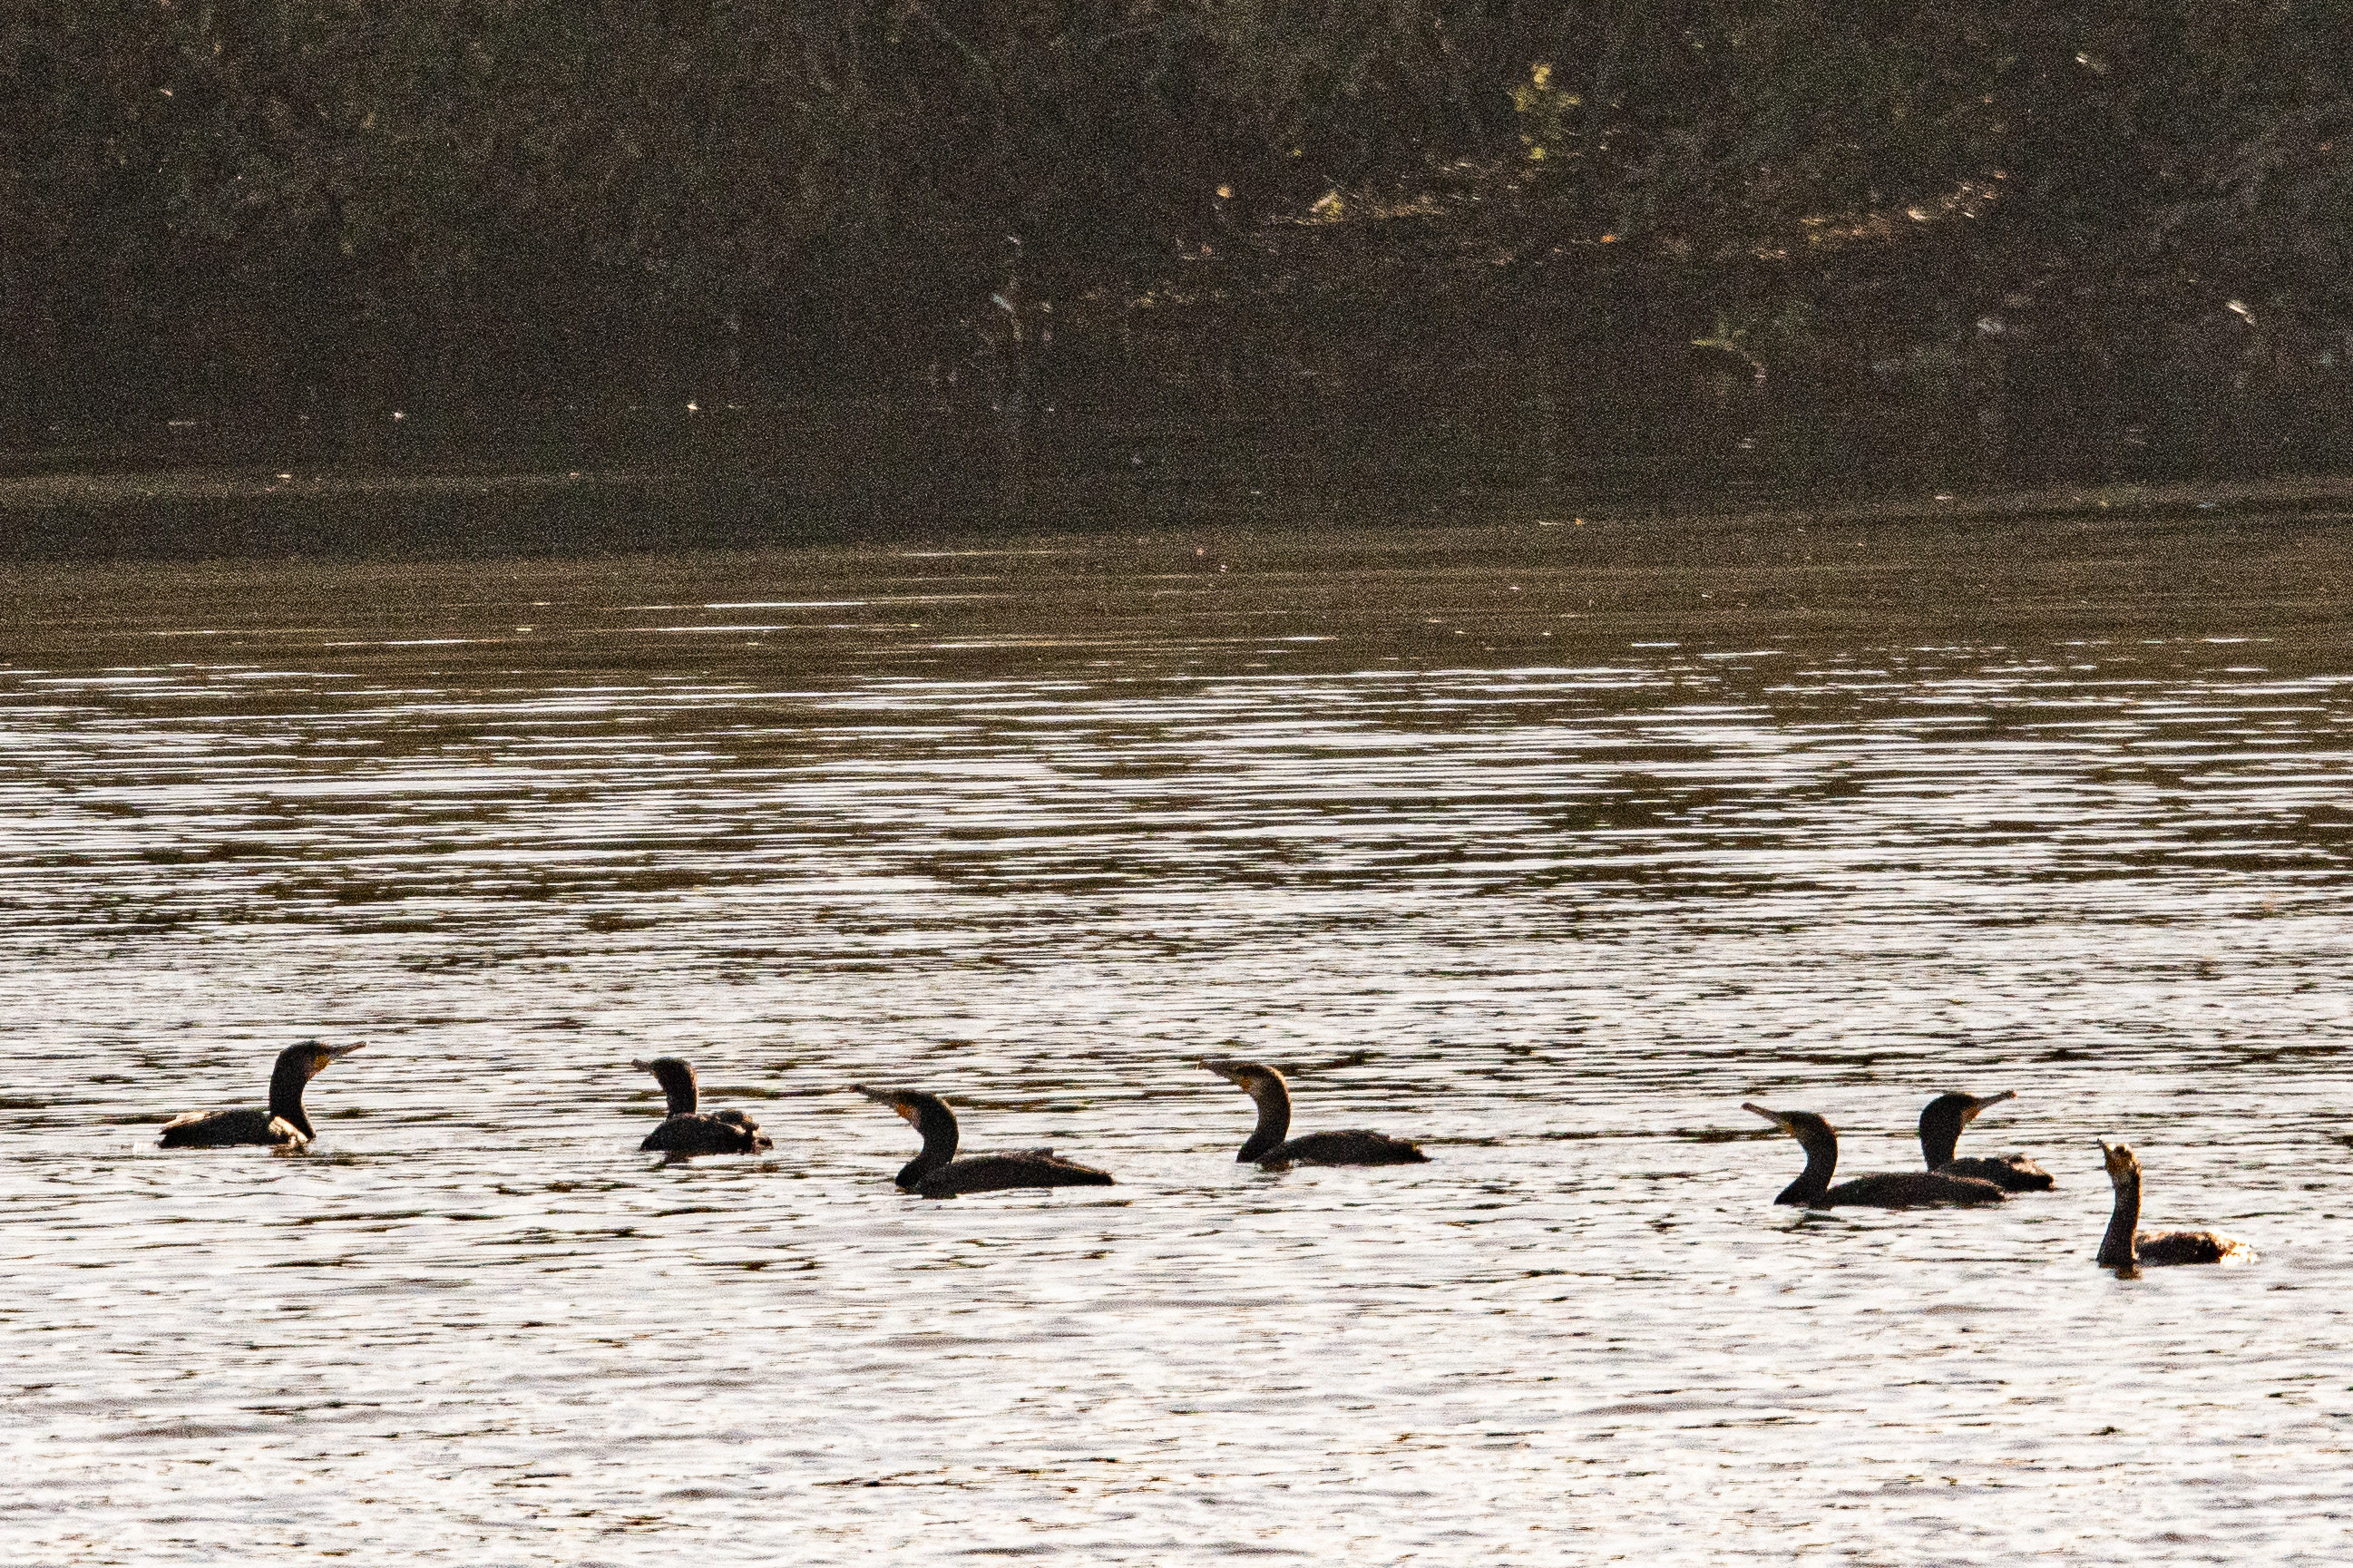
{"type": "Point", "coordinates": [928, 1113]}
{"type": "Point", "coordinates": [2124, 1165]}
{"type": "Point", "coordinates": [1807, 1128]}
{"type": "Point", "coordinates": [1963, 1109]}
{"type": "Point", "coordinates": [925, 1110]}
{"type": "Point", "coordinates": [298, 1064]}
{"type": "Point", "coordinates": [1249, 1076]}
{"type": "Point", "coordinates": [1946, 1116]}
{"type": "Point", "coordinates": [311, 1059]}
{"type": "Point", "coordinates": [907, 1102]}
{"type": "Point", "coordinates": [677, 1077]}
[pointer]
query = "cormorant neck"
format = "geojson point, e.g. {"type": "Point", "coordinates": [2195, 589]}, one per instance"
{"type": "Point", "coordinates": [1822, 1159]}
{"type": "Point", "coordinates": [1940, 1133]}
{"type": "Point", "coordinates": [2116, 1246]}
{"type": "Point", "coordinates": [677, 1080]}
{"type": "Point", "coordinates": [286, 1081]}
{"type": "Point", "coordinates": [1273, 1102]}
{"type": "Point", "coordinates": [937, 1123]}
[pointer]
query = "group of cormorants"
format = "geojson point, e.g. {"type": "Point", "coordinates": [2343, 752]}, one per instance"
{"type": "Point", "coordinates": [936, 1173]}
{"type": "Point", "coordinates": [1949, 1181]}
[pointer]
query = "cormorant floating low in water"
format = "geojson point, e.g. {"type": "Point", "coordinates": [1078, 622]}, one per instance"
{"type": "Point", "coordinates": [686, 1131]}
{"type": "Point", "coordinates": [2123, 1247]}
{"type": "Point", "coordinates": [281, 1125]}
{"type": "Point", "coordinates": [936, 1173]}
{"type": "Point", "coordinates": [1940, 1129]}
{"type": "Point", "coordinates": [1887, 1190]}
{"type": "Point", "coordinates": [1268, 1146]}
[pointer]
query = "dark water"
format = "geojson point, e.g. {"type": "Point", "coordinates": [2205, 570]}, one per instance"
{"type": "Point", "coordinates": [1549, 845]}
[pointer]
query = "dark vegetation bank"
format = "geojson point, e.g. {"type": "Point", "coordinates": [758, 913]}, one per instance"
{"type": "Point", "coordinates": [997, 241]}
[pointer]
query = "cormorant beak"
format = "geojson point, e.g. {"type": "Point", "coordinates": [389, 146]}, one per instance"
{"type": "Point", "coordinates": [1775, 1117]}
{"type": "Point", "coordinates": [1976, 1105]}
{"type": "Point", "coordinates": [642, 1064]}
{"type": "Point", "coordinates": [336, 1053]}
{"type": "Point", "coordinates": [884, 1097]}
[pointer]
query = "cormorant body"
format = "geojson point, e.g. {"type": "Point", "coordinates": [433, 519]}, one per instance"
{"type": "Point", "coordinates": [686, 1131]}
{"type": "Point", "coordinates": [2124, 1247]}
{"type": "Point", "coordinates": [1268, 1146]}
{"type": "Point", "coordinates": [1886, 1190]}
{"type": "Point", "coordinates": [936, 1173]}
{"type": "Point", "coordinates": [1940, 1129]}
{"type": "Point", "coordinates": [279, 1125]}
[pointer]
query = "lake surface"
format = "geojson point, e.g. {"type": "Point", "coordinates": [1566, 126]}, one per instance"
{"type": "Point", "coordinates": [1549, 843]}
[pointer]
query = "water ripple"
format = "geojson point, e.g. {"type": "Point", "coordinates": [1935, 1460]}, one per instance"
{"type": "Point", "coordinates": [1548, 851]}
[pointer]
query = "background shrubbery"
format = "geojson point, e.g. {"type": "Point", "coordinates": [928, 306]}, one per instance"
{"type": "Point", "coordinates": [2049, 216]}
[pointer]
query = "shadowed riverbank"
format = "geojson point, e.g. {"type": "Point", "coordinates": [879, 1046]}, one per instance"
{"type": "Point", "coordinates": [823, 475]}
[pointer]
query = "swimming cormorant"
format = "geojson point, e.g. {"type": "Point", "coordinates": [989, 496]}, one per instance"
{"type": "Point", "coordinates": [936, 1173]}
{"type": "Point", "coordinates": [1887, 1190]}
{"type": "Point", "coordinates": [281, 1125]}
{"type": "Point", "coordinates": [1267, 1145]}
{"type": "Point", "coordinates": [1940, 1129]}
{"type": "Point", "coordinates": [686, 1131]}
{"type": "Point", "coordinates": [2123, 1247]}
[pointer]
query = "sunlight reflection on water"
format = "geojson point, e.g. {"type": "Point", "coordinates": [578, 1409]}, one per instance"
{"type": "Point", "coordinates": [1548, 850]}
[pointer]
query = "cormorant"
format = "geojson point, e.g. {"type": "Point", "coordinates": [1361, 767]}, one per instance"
{"type": "Point", "coordinates": [281, 1125]}
{"type": "Point", "coordinates": [1940, 1129]}
{"type": "Point", "coordinates": [936, 1173]}
{"type": "Point", "coordinates": [2123, 1247]}
{"type": "Point", "coordinates": [1268, 1146]}
{"type": "Point", "coordinates": [1886, 1190]}
{"type": "Point", "coordinates": [686, 1131]}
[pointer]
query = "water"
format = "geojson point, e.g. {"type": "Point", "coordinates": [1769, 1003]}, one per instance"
{"type": "Point", "coordinates": [1546, 844]}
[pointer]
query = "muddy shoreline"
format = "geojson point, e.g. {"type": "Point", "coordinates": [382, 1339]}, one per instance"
{"type": "Point", "coordinates": [457, 509]}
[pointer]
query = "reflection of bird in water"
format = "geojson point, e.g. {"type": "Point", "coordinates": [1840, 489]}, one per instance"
{"type": "Point", "coordinates": [686, 1131]}
{"type": "Point", "coordinates": [1268, 1145]}
{"type": "Point", "coordinates": [281, 1125]}
{"type": "Point", "coordinates": [1887, 1190]}
{"type": "Point", "coordinates": [1940, 1129]}
{"type": "Point", "coordinates": [936, 1173]}
{"type": "Point", "coordinates": [2124, 1247]}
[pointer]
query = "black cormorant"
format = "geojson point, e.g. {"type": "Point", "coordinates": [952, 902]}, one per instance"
{"type": "Point", "coordinates": [2123, 1247]}
{"type": "Point", "coordinates": [281, 1125]}
{"type": "Point", "coordinates": [686, 1131]}
{"type": "Point", "coordinates": [1886, 1190]}
{"type": "Point", "coordinates": [1267, 1145]}
{"type": "Point", "coordinates": [1940, 1129]}
{"type": "Point", "coordinates": [936, 1173]}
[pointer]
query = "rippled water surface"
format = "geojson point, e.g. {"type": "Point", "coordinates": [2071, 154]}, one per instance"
{"type": "Point", "coordinates": [1547, 845]}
